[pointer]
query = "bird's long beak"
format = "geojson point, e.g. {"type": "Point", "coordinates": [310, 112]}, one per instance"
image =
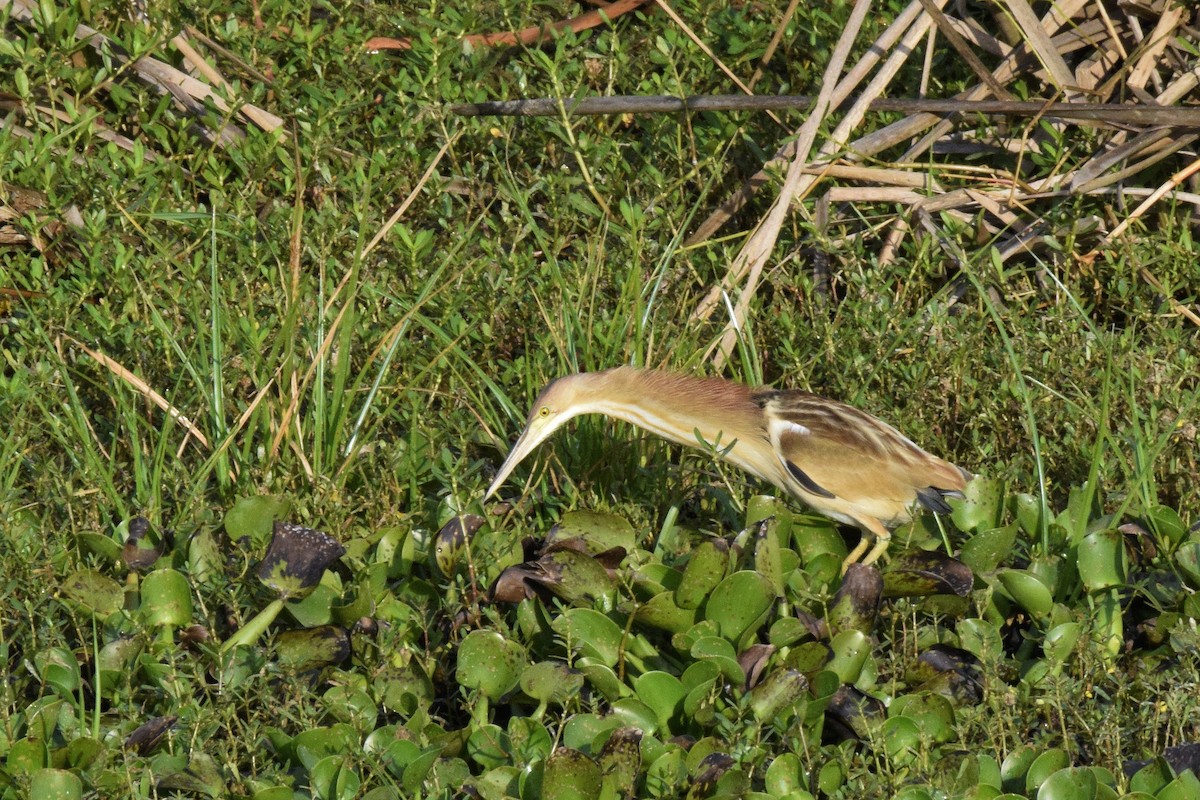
{"type": "Point", "coordinates": [534, 435]}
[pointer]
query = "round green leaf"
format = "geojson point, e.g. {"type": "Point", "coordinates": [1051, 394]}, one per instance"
{"type": "Point", "coordinates": [1184, 787]}
{"type": "Point", "coordinates": [1044, 766]}
{"type": "Point", "coordinates": [570, 775]}
{"type": "Point", "coordinates": [589, 632]}
{"type": "Point", "coordinates": [55, 784]}
{"type": "Point", "coordinates": [981, 638]}
{"type": "Point", "coordinates": [597, 530]}
{"type": "Point", "coordinates": [94, 592]}
{"type": "Point", "coordinates": [1068, 784]}
{"type": "Point", "coordinates": [850, 651]}
{"type": "Point", "coordinates": [254, 518]}
{"type": "Point", "coordinates": [662, 692]}
{"type": "Point", "coordinates": [1187, 558]}
{"type": "Point", "coordinates": [548, 681]}
{"type": "Point", "coordinates": [982, 505]}
{"type": "Point", "coordinates": [740, 603]}
{"type": "Point", "coordinates": [901, 739]}
{"type": "Point", "coordinates": [785, 775]}
{"type": "Point", "coordinates": [166, 599]}
{"type": "Point", "coordinates": [1060, 640]}
{"type": "Point", "coordinates": [984, 551]}
{"type": "Point", "coordinates": [1102, 560]}
{"type": "Point", "coordinates": [490, 663]}
{"type": "Point", "coordinates": [1028, 591]}
{"type": "Point", "coordinates": [705, 569]}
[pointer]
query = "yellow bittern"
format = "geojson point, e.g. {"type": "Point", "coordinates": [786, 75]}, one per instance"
{"type": "Point", "coordinates": [842, 462]}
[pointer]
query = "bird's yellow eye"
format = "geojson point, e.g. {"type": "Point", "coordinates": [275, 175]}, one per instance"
{"type": "Point", "coordinates": [544, 411]}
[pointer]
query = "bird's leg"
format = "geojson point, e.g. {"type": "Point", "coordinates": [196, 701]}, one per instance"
{"type": "Point", "coordinates": [872, 531]}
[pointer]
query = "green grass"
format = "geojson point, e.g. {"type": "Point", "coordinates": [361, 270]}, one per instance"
{"type": "Point", "coordinates": [375, 390]}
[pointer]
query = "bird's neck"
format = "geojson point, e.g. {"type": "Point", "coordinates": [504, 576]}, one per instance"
{"type": "Point", "coordinates": [696, 412]}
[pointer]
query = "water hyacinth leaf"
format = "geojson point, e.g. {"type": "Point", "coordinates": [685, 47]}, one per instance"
{"type": "Point", "coordinates": [94, 593]}
{"type": "Point", "coordinates": [857, 601]}
{"type": "Point", "coordinates": [83, 753]}
{"type": "Point", "coordinates": [667, 773]}
{"type": "Point", "coordinates": [982, 506]}
{"type": "Point", "coordinates": [100, 545]}
{"type": "Point", "coordinates": [850, 651]}
{"type": "Point", "coordinates": [810, 658]}
{"type": "Point", "coordinates": [1082, 506]}
{"type": "Point", "coordinates": [530, 739]}
{"type": "Point", "coordinates": [767, 559]}
{"type": "Point", "coordinates": [489, 663]}
{"type": "Point", "coordinates": [1045, 765]}
{"type": "Point", "coordinates": [633, 712]}
{"type": "Point", "coordinates": [620, 762]}
{"type": "Point", "coordinates": [489, 746]}
{"type": "Point", "coordinates": [662, 692]}
{"type": "Point", "coordinates": [314, 744]}
{"type": "Point", "coordinates": [598, 531]}
{"type": "Point", "coordinates": [571, 775]}
{"type": "Point", "coordinates": [951, 672]}
{"type": "Point", "coordinates": [720, 652]}
{"type": "Point", "coordinates": [296, 559]}
{"type": "Point", "coordinates": [602, 679]}
{"type": "Point", "coordinates": [1108, 624]}
{"type": "Point", "coordinates": [984, 551]}
{"type": "Point", "coordinates": [58, 668]}
{"type": "Point", "coordinates": [1184, 787]}
{"type": "Point", "coordinates": [785, 776]}
{"type": "Point", "coordinates": [699, 672]}
{"type": "Point", "coordinates": [166, 599]}
{"type": "Point", "coordinates": [1027, 509]}
{"type": "Point", "coordinates": [199, 774]}
{"type": "Point", "coordinates": [739, 604]}
{"type": "Point", "coordinates": [204, 556]}
{"type": "Point", "coordinates": [932, 712]}
{"type": "Point", "coordinates": [55, 784]}
{"type": "Point", "coordinates": [1165, 522]}
{"type": "Point", "coordinates": [776, 696]}
{"type": "Point", "coordinates": [786, 631]}
{"type": "Point", "coordinates": [499, 782]}
{"type": "Point", "coordinates": [332, 778]}
{"type": "Point", "coordinates": [253, 518]}
{"type": "Point", "coordinates": [920, 573]}
{"type": "Point", "coordinates": [591, 633]}
{"type": "Point", "coordinates": [815, 537]}
{"type": "Point", "coordinates": [704, 571]}
{"type": "Point", "coordinates": [582, 730]}
{"type": "Point", "coordinates": [661, 612]}
{"type": "Point", "coordinates": [1152, 777]}
{"type": "Point", "coordinates": [1078, 783]}
{"type": "Point", "coordinates": [312, 648]}
{"type": "Point", "coordinates": [316, 607]}
{"type": "Point", "coordinates": [550, 682]}
{"type": "Point", "coordinates": [1187, 559]}
{"type": "Point", "coordinates": [901, 739]}
{"type": "Point", "coordinates": [981, 638]}
{"type": "Point", "coordinates": [1060, 641]}
{"type": "Point", "coordinates": [1102, 560]}
{"type": "Point", "coordinates": [1029, 592]}
{"type": "Point", "coordinates": [576, 578]}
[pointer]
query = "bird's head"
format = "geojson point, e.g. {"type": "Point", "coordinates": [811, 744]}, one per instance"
{"type": "Point", "coordinates": [558, 403]}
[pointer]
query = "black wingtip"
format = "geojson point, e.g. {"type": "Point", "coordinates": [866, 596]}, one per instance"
{"type": "Point", "coordinates": [810, 486]}
{"type": "Point", "coordinates": [934, 499]}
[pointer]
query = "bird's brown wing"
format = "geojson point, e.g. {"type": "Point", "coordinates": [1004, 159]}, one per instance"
{"type": "Point", "coordinates": [834, 451]}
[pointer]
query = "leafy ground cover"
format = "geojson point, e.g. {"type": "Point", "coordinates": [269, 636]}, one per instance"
{"type": "Point", "coordinates": [256, 378]}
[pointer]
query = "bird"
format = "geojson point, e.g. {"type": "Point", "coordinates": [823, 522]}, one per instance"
{"type": "Point", "coordinates": [838, 460]}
